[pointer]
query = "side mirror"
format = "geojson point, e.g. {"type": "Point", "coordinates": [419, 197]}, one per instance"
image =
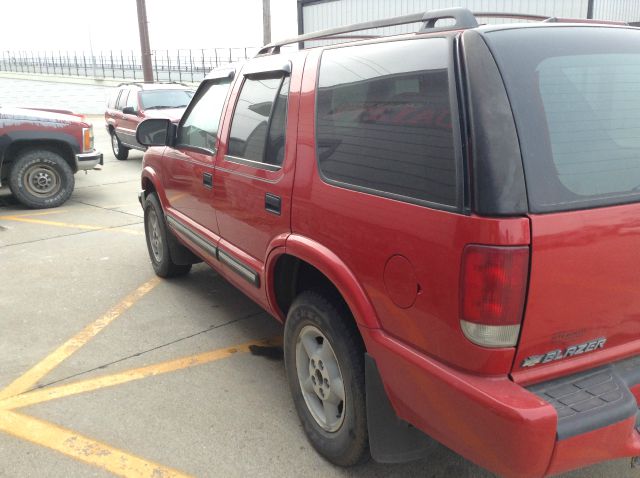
{"type": "Point", "coordinates": [155, 132]}
{"type": "Point", "coordinates": [129, 110]}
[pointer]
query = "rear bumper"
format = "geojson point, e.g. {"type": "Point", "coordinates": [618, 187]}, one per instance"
{"type": "Point", "coordinates": [501, 426]}
{"type": "Point", "coordinates": [89, 160]}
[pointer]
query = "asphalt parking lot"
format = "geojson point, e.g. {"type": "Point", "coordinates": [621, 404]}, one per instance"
{"type": "Point", "coordinates": [106, 369]}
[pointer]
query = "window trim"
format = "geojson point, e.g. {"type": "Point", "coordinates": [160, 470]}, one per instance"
{"type": "Point", "coordinates": [269, 123]}
{"type": "Point", "coordinates": [456, 126]}
{"type": "Point", "coordinates": [250, 162]}
{"type": "Point", "coordinates": [197, 96]}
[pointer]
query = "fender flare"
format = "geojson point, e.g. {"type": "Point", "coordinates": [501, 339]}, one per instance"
{"type": "Point", "coordinates": [149, 174]}
{"type": "Point", "coordinates": [327, 262]}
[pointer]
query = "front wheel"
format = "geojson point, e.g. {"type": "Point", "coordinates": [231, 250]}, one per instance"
{"type": "Point", "coordinates": [40, 178]}
{"type": "Point", "coordinates": [324, 359]}
{"type": "Point", "coordinates": [157, 235]}
{"type": "Point", "coordinates": [120, 151]}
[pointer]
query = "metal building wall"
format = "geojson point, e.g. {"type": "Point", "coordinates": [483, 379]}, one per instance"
{"type": "Point", "coordinates": [625, 10]}
{"type": "Point", "coordinates": [328, 14]}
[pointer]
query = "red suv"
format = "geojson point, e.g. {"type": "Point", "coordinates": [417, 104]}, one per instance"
{"type": "Point", "coordinates": [131, 103]}
{"type": "Point", "coordinates": [447, 222]}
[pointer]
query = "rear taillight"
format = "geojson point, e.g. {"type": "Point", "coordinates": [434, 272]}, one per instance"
{"type": "Point", "coordinates": [493, 284]}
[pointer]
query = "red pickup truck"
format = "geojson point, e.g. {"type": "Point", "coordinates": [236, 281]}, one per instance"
{"type": "Point", "coordinates": [41, 150]}
{"type": "Point", "coordinates": [447, 222]}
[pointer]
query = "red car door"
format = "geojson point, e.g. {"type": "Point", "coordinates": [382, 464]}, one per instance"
{"type": "Point", "coordinates": [254, 172]}
{"type": "Point", "coordinates": [189, 165]}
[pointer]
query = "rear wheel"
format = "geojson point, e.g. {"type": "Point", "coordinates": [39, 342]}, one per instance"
{"type": "Point", "coordinates": [120, 151]}
{"type": "Point", "coordinates": [157, 236]}
{"type": "Point", "coordinates": [40, 178]}
{"type": "Point", "coordinates": [324, 359]}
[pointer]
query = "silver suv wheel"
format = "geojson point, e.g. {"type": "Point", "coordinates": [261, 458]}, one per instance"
{"type": "Point", "coordinates": [320, 378]}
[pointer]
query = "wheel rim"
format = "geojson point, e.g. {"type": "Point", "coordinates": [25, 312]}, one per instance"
{"type": "Point", "coordinates": [114, 144]}
{"type": "Point", "coordinates": [320, 378]}
{"type": "Point", "coordinates": [155, 237]}
{"type": "Point", "coordinates": [42, 180]}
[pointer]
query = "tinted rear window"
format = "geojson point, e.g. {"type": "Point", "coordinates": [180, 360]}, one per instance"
{"type": "Point", "coordinates": [384, 120]}
{"type": "Point", "coordinates": [575, 92]}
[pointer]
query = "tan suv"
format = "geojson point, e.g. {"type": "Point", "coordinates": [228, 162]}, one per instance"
{"type": "Point", "coordinates": [131, 103]}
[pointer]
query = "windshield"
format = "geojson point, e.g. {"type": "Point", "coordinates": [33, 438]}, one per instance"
{"type": "Point", "coordinates": [156, 99]}
{"type": "Point", "coordinates": [575, 94]}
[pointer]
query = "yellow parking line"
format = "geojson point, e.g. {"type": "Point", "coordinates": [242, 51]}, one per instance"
{"type": "Point", "coordinates": [84, 227]}
{"type": "Point", "coordinates": [53, 223]}
{"type": "Point", "coordinates": [41, 213]}
{"type": "Point", "coordinates": [82, 448]}
{"type": "Point", "coordinates": [30, 378]}
{"type": "Point", "coordinates": [44, 395]}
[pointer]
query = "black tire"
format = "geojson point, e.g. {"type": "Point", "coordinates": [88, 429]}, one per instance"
{"type": "Point", "coordinates": [158, 237]}
{"type": "Point", "coordinates": [342, 436]}
{"type": "Point", "coordinates": [120, 151]}
{"type": "Point", "coordinates": [40, 178]}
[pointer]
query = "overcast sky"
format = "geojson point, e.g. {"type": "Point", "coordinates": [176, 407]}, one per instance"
{"type": "Point", "coordinates": [80, 24]}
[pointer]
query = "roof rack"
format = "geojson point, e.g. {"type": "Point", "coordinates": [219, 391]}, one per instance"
{"type": "Point", "coordinates": [142, 83]}
{"type": "Point", "coordinates": [463, 17]}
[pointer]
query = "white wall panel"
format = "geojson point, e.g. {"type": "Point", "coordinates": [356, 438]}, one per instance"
{"type": "Point", "coordinates": [618, 10]}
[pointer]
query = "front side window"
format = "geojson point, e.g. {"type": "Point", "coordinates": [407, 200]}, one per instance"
{"type": "Point", "coordinates": [258, 125]}
{"type": "Point", "coordinates": [199, 129]}
{"type": "Point", "coordinates": [384, 120]}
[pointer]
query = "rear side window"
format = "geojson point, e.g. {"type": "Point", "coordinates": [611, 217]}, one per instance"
{"type": "Point", "coordinates": [199, 127]}
{"type": "Point", "coordinates": [259, 120]}
{"type": "Point", "coordinates": [576, 100]}
{"type": "Point", "coordinates": [384, 120]}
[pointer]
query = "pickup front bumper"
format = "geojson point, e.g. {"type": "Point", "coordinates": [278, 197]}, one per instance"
{"type": "Point", "coordinates": [509, 429]}
{"type": "Point", "coordinates": [88, 160]}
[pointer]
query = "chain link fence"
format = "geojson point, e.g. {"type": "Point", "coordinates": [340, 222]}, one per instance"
{"type": "Point", "coordinates": [168, 65]}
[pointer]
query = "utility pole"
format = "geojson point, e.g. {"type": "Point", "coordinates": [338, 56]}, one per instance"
{"type": "Point", "coordinates": [145, 47]}
{"type": "Point", "coordinates": [266, 22]}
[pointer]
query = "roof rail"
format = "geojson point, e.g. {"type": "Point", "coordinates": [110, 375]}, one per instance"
{"type": "Point", "coordinates": [463, 17]}
{"type": "Point", "coordinates": [517, 16]}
